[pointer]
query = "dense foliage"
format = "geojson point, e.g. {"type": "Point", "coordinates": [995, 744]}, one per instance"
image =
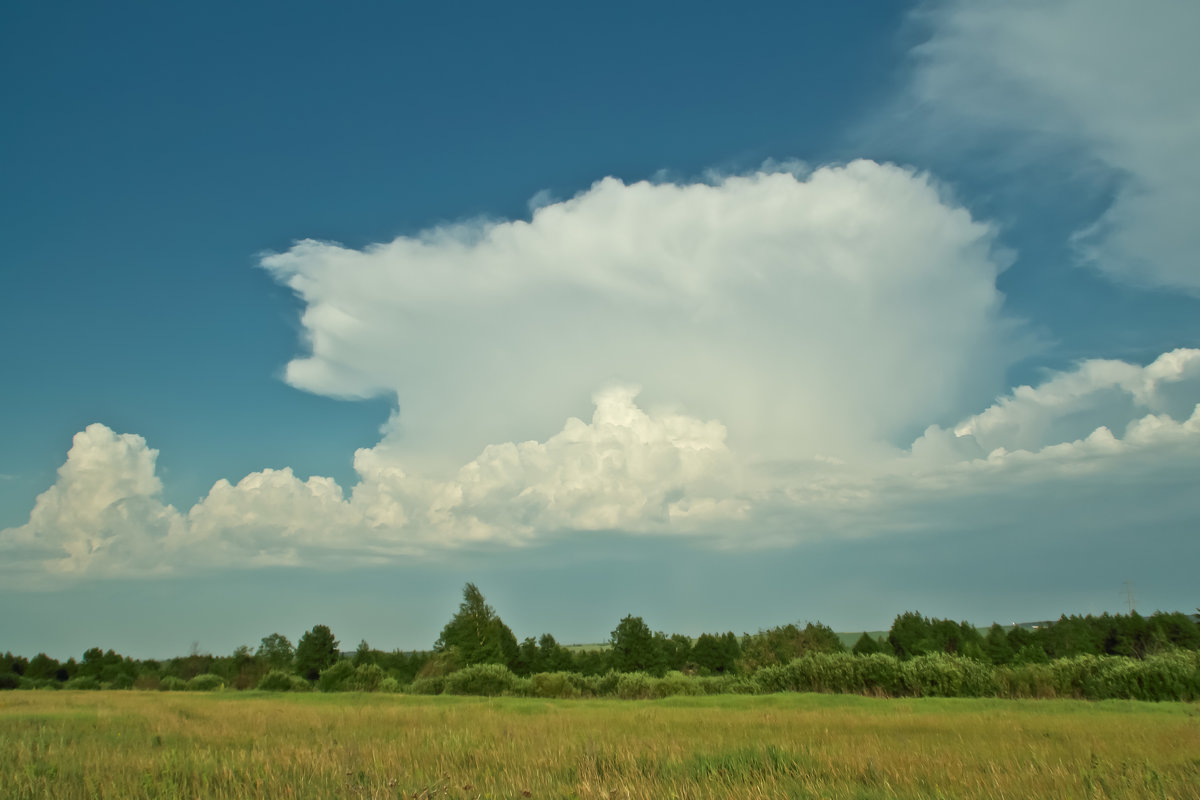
{"type": "Point", "coordinates": [1117, 656]}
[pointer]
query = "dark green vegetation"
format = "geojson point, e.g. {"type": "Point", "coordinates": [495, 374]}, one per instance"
{"type": "Point", "coordinates": [1133, 657]}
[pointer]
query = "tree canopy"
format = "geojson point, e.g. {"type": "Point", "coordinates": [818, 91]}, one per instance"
{"type": "Point", "coordinates": [317, 650]}
{"type": "Point", "coordinates": [477, 634]}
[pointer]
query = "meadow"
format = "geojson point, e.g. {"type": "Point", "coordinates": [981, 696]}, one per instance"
{"type": "Point", "coordinates": [68, 744]}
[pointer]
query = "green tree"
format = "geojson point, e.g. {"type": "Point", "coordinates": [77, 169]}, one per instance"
{"type": "Point", "coordinates": [364, 655]}
{"type": "Point", "coordinates": [911, 635]}
{"type": "Point", "coordinates": [781, 644]}
{"type": "Point", "coordinates": [716, 654]}
{"type": "Point", "coordinates": [996, 645]}
{"type": "Point", "coordinates": [1178, 629]}
{"type": "Point", "coordinates": [42, 666]}
{"type": "Point", "coordinates": [316, 651]}
{"type": "Point", "coordinates": [477, 634]}
{"type": "Point", "coordinates": [866, 645]}
{"type": "Point", "coordinates": [529, 660]}
{"type": "Point", "coordinates": [553, 656]}
{"type": "Point", "coordinates": [277, 652]}
{"type": "Point", "coordinates": [676, 650]}
{"type": "Point", "coordinates": [635, 649]}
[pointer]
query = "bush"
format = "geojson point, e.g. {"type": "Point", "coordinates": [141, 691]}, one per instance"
{"type": "Point", "coordinates": [87, 683]}
{"type": "Point", "coordinates": [172, 684]}
{"type": "Point", "coordinates": [880, 674]}
{"type": "Point", "coordinates": [279, 681]}
{"type": "Point", "coordinates": [121, 681]}
{"type": "Point", "coordinates": [1031, 680]}
{"type": "Point", "coordinates": [9, 680]}
{"type": "Point", "coordinates": [635, 686]}
{"type": "Point", "coordinates": [676, 683]}
{"type": "Point", "coordinates": [366, 678]}
{"type": "Point", "coordinates": [336, 678]}
{"type": "Point", "coordinates": [943, 675]}
{"type": "Point", "coordinates": [431, 685]}
{"type": "Point", "coordinates": [147, 681]}
{"type": "Point", "coordinates": [487, 680]}
{"type": "Point", "coordinates": [389, 685]}
{"type": "Point", "coordinates": [552, 684]}
{"type": "Point", "coordinates": [206, 682]}
{"type": "Point", "coordinates": [606, 685]}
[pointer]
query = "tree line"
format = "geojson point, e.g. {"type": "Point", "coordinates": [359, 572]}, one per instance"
{"type": "Point", "coordinates": [476, 642]}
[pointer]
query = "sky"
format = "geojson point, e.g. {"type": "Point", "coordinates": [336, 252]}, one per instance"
{"type": "Point", "coordinates": [784, 312]}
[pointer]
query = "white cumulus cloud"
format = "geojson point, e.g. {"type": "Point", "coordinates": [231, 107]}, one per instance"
{"type": "Point", "coordinates": [790, 333]}
{"type": "Point", "coordinates": [105, 509]}
{"type": "Point", "coordinates": [786, 306]}
{"type": "Point", "coordinates": [1085, 445]}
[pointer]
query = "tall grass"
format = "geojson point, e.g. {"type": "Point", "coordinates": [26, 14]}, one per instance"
{"type": "Point", "coordinates": [67, 745]}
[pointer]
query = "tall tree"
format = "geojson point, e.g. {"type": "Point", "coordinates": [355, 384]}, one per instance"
{"type": "Point", "coordinates": [911, 635]}
{"type": "Point", "coordinates": [554, 657]}
{"type": "Point", "coordinates": [716, 654]}
{"type": "Point", "coordinates": [635, 648]}
{"type": "Point", "coordinates": [277, 651]}
{"type": "Point", "coordinates": [317, 650]}
{"type": "Point", "coordinates": [364, 655]}
{"type": "Point", "coordinates": [866, 645]}
{"type": "Point", "coordinates": [996, 645]}
{"type": "Point", "coordinates": [477, 634]}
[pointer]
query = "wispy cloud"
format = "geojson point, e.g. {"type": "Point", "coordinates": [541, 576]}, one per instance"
{"type": "Point", "coordinates": [1103, 83]}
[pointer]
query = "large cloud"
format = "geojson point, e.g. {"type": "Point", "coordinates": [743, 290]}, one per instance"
{"type": "Point", "coordinates": [1111, 79]}
{"type": "Point", "coordinates": [104, 513]}
{"type": "Point", "coordinates": [1106, 443]}
{"type": "Point", "coordinates": [792, 334]}
{"type": "Point", "coordinates": [786, 306]}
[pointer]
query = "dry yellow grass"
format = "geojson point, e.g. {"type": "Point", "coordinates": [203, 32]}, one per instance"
{"type": "Point", "coordinates": [67, 745]}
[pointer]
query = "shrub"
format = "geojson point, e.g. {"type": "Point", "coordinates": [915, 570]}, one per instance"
{"type": "Point", "coordinates": [366, 678]}
{"type": "Point", "coordinates": [120, 681]}
{"type": "Point", "coordinates": [431, 685]}
{"type": "Point", "coordinates": [206, 682]}
{"type": "Point", "coordinates": [89, 683]}
{"type": "Point", "coordinates": [389, 685]}
{"type": "Point", "coordinates": [9, 680]}
{"type": "Point", "coordinates": [739, 684]}
{"type": "Point", "coordinates": [336, 678]}
{"type": "Point", "coordinates": [676, 683]}
{"type": "Point", "coordinates": [552, 684]}
{"type": "Point", "coordinates": [1174, 675]}
{"type": "Point", "coordinates": [172, 684]}
{"type": "Point", "coordinates": [1026, 680]}
{"type": "Point", "coordinates": [635, 686]}
{"type": "Point", "coordinates": [487, 680]}
{"type": "Point", "coordinates": [943, 675]}
{"type": "Point", "coordinates": [606, 685]}
{"type": "Point", "coordinates": [279, 681]}
{"type": "Point", "coordinates": [148, 681]}
{"type": "Point", "coordinates": [772, 679]}
{"type": "Point", "coordinates": [880, 674]}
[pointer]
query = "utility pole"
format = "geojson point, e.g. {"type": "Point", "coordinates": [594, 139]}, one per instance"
{"type": "Point", "coordinates": [1129, 595]}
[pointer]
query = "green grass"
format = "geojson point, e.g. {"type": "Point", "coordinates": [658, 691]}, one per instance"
{"type": "Point", "coordinates": [250, 745]}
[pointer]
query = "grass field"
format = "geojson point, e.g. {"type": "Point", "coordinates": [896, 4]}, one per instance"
{"type": "Point", "coordinates": [66, 745]}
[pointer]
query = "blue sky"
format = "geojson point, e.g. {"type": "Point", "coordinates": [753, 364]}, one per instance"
{"type": "Point", "coordinates": [314, 315]}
